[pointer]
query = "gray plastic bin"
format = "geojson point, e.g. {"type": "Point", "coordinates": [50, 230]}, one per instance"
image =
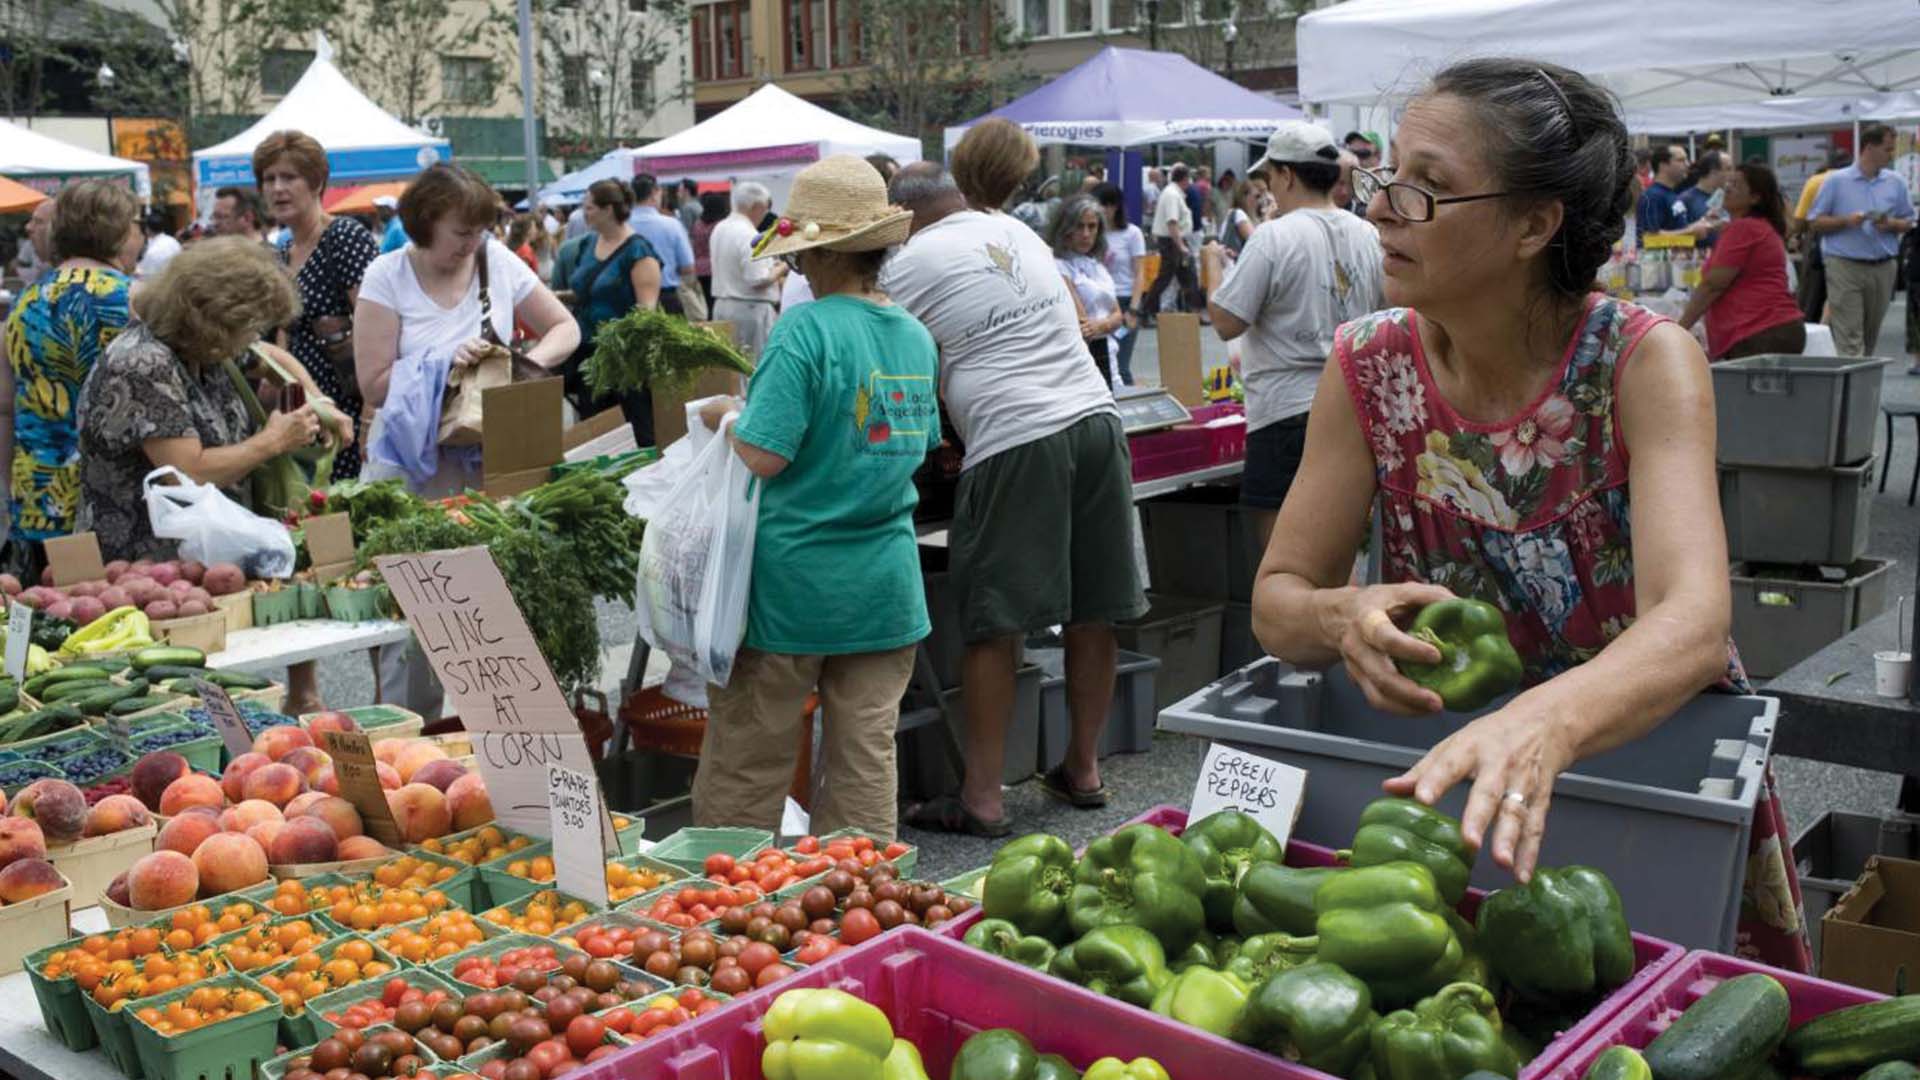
{"type": "Point", "coordinates": [1796, 412]}
{"type": "Point", "coordinates": [1781, 616]}
{"type": "Point", "coordinates": [1238, 647]}
{"type": "Point", "coordinates": [945, 643]}
{"type": "Point", "coordinates": [924, 769]}
{"type": "Point", "coordinates": [1797, 515]}
{"type": "Point", "coordinates": [1666, 817]}
{"type": "Point", "coordinates": [1200, 544]}
{"type": "Point", "coordinates": [1184, 635]}
{"type": "Point", "coordinates": [1832, 853]}
{"type": "Point", "coordinates": [1129, 727]}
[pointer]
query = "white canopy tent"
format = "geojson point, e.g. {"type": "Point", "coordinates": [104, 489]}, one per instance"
{"type": "Point", "coordinates": [362, 141]}
{"type": "Point", "coordinates": [43, 161]}
{"type": "Point", "coordinates": [1775, 114]}
{"type": "Point", "coordinates": [1712, 52]}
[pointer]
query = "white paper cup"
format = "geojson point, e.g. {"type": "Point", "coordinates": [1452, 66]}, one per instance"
{"type": "Point", "coordinates": [1892, 673]}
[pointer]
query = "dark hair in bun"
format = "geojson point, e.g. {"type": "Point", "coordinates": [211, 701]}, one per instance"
{"type": "Point", "coordinates": [1553, 133]}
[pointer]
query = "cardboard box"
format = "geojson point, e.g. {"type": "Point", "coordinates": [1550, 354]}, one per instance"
{"type": "Point", "coordinates": [1874, 930]}
{"type": "Point", "coordinates": [602, 423]}
{"type": "Point", "coordinates": [670, 410]}
{"type": "Point", "coordinates": [1180, 357]}
{"type": "Point", "coordinates": [528, 415]}
{"type": "Point", "coordinates": [208, 632]}
{"type": "Point", "coordinates": [330, 547]}
{"type": "Point", "coordinates": [75, 558]}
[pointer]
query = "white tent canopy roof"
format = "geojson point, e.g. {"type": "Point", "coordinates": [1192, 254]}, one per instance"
{"type": "Point", "coordinates": [768, 133]}
{"type": "Point", "coordinates": [362, 141]}
{"type": "Point", "coordinates": [26, 153]}
{"type": "Point", "coordinates": [1775, 114]}
{"type": "Point", "coordinates": [1652, 54]}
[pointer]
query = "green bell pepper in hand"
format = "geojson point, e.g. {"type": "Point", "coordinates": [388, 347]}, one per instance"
{"type": "Point", "coordinates": [1028, 885]}
{"type": "Point", "coordinates": [1112, 1068]}
{"type": "Point", "coordinates": [1228, 843]}
{"type": "Point", "coordinates": [824, 1035]}
{"type": "Point", "coordinates": [1315, 1014]}
{"type": "Point", "coordinates": [1205, 999]}
{"type": "Point", "coordinates": [1561, 935]}
{"type": "Point", "coordinates": [1477, 660]}
{"type": "Point", "coordinates": [1140, 876]}
{"type": "Point", "coordinates": [1124, 962]}
{"type": "Point", "coordinates": [1405, 830]}
{"type": "Point", "coordinates": [903, 1063]}
{"type": "Point", "coordinates": [1387, 925]}
{"type": "Point", "coordinates": [1005, 1054]}
{"type": "Point", "coordinates": [1262, 956]}
{"type": "Point", "coordinates": [1275, 899]}
{"type": "Point", "coordinates": [1448, 1035]}
{"type": "Point", "coordinates": [1003, 939]}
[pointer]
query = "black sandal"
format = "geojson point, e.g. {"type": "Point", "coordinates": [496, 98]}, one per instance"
{"type": "Point", "coordinates": [1056, 784]}
{"type": "Point", "coordinates": [948, 814]}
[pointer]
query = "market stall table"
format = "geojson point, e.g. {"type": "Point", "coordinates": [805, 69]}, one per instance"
{"type": "Point", "coordinates": [264, 648]}
{"type": "Point", "coordinates": [1829, 712]}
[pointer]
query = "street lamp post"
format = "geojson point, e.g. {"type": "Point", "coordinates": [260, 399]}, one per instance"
{"type": "Point", "coordinates": [1153, 24]}
{"type": "Point", "coordinates": [597, 79]}
{"type": "Point", "coordinates": [1229, 32]}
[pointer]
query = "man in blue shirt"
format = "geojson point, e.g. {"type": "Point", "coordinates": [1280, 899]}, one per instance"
{"type": "Point", "coordinates": [1661, 209]}
{"type": "Point", "coordinates": [394, 236]}
{"type": "Point", "coordinates": [665, 234]}
{"type": "Point", "coordinates": [1703, 194]}
{"type": "Point", "coordinates": [1860, 215]}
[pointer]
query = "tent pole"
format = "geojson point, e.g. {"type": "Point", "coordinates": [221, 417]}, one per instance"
{"type": "Point", "coordinates": [527, 130]}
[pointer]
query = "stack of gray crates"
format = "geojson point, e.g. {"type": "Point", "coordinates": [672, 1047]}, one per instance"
{"type": "Point", "coordinates": [1796, 475]}
{"type": "Point", "coordinates": [1129, 727]}
{"type": "Point", "coordinates": [1200, 549]}
{"type": "Point", "coordinates": [1832, 853]}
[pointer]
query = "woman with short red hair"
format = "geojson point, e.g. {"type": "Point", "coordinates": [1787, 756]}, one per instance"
{"type": "Point", "coordinates": [327, 256]}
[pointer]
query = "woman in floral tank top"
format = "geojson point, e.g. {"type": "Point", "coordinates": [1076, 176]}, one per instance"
{"type": "Point", "coordinates": [1531, 443]}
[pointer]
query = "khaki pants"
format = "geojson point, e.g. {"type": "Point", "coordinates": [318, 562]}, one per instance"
{"type": "Point", "coordinates": [1858, 295]}
{"type": "Point", "coordinates": [746, 758]}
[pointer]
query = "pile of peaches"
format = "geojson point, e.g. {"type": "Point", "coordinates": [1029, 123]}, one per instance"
{"type": "Point", "coordinates": [280, 804]}
{"type": "Point", "coordinates": [47, 813]}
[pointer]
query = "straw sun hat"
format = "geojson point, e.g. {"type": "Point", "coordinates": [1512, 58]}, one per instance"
{"type": "Point", "coordinates": [839, 203]}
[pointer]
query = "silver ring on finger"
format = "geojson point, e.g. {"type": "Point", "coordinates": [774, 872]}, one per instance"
{"type": "Point", "coordinates": [1515, 798]}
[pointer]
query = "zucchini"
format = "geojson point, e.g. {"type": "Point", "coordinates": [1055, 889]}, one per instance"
{"type": "Point", "coordinates": [168, 656]}
{"type": "Point", "coordinates": [1892, 1070]}
{"type": "Point", "coordinates": [1858, 1036]}
{"type": "Point", "coordinates": [75, 688]}
{"type": "Point", "coordinates": [1619, 1063]}
{"type": "Point", "coordinates": [1726, 1035]}
{"type": "Point", "coordinates": [238, 680]}
{"type": "Point", "coordinates": [73, 673]}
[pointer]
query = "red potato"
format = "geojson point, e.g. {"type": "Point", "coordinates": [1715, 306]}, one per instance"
{"type": "Point", "coordinates": [165, 573]}
{"type": "Point", "coordinates": [116, 570]}
{"type": "Point", "coordinates": [115, 597]}
{"type": "Point", "coordinates": [86, 609]}
{"type": "Point", "coordinates": [193, 570]}
{"type": "Point", "coordinates": [191, 607]}
{"type": "Point", "coordinates": [9, 585]}
{"type": "Point", "coordinates": [61, 609]}
{"type": "Point", "coordinates": [162, 609]}
{"type": "Point", "coordinates": [223, 579]}
{"type": "Point", "coordinates": [84, 588]}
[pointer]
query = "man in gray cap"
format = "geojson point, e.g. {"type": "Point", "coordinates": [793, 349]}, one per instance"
{"type": "Point", "coordinates": [1298, 278]}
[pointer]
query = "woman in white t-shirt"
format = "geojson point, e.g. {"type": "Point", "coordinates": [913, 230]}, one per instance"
{"type": "Point", "coordinates": [1125, 259]}
{"type": "Point", "coordinates": [429, 299]}
{"type": "Point", "coordinates": [1078, 236]}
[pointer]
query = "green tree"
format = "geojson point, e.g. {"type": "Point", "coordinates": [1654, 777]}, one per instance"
{"type": "Point", "coordinates": [605, 68]}
{"type": "Point", "coordinates": [1262, 34]}
{"type": "Point", "coordinates": [28, 43]}
{"type": "Point", "coordinates": [930, 63]}
{"type": "Point", "coordinates": [422, 58]}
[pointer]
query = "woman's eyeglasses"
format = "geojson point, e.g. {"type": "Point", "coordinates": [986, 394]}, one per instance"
{"type": "Point", "coordinates": [1409, 202]}
{"type": "Point", "coordinates": [792, 260]}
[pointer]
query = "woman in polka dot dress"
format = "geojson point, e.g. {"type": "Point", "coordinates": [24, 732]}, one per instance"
{"type": "Point", "coordinates": [327, 256]}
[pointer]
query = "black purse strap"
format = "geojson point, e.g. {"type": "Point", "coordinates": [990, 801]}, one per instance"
{"type": "Point", "coordinates": [487, 332]}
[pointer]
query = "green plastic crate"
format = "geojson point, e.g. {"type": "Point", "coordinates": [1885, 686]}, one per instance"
{"type": "Point", "coordinates": [458, 888]}
{"type": "Point", "coordinates": [202, 752]}
{"type": "Point", "coordinates": [299, 1028]}
{"type": "Point", "coordinates": [61, 1007]}
{"type": "Point", "coordinates": [227, 1050]}
{"type": "Point", "coordinates": [488, 932]}
{"type": "Point", "coordinates": [519, 907]}
{"type": "Point", "coordinates": [968, 884]}
{"type": "Point", "coordinates": [113, 1032]}
{"type": "Point", "coordinates": [689, 848]}
{"type": "Point", "coordinates": [277, 1067]}
{"type": "Point", "coordinates": [59, 744]}
{"type": "Point", "coordinates": [371, 717]}
{"type": "Point", "coordinates": [495, 947]}
{"type": "Point", "coordinates": [337, 1000]}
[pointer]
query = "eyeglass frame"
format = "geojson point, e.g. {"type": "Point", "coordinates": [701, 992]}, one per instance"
{"type": "Point", "coordinates": [1434, 202]}
{"type": "Point", "coordinates": [791, 259]}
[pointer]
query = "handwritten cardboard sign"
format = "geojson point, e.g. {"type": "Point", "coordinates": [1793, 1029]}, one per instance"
{"type": "Point", "coordinates": [579, 861]}
{"type": "Point", "coordinates": [479, 646]}
{"type": "Point", "coordinates": [1270, 791]}
{"type": "Point", "coordinates": [19, 637]}
{"type": "Point", "coordinates": [226, 718]}
{"type": "Point", "coordinates": [359, 776]}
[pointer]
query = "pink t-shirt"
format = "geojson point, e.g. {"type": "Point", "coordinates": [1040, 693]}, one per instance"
{"type": "Point", "coordinates": [1759, 297]}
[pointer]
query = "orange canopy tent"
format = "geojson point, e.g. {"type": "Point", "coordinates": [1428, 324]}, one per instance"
{"type": "Point", "coordinates": [18, 198]}
{"type": "Point", "coordinates": [359, 200]}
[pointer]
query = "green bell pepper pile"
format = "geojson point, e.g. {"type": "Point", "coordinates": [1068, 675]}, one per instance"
{"type": "Point", "coordinates": [1316, 1014]}
{"type": "Point", "coordinates": [1277, 899]}
{"type": "Point", "coordinates": [1404, 830]}
{"type": "Point", "coordinates": [1203, 998]}
{"type": "Point", "coordinates": [1140, 1068]}
{"type": "Point", "coordinates": [1450, 1034]}
{"type": "Point", "coordinates": [824, 1035]}
{"type": "Point", "coordinates": [1477, 661]}
{"type": "Point", "coordinates": [1228, 843]}
{"type": "Point", "coordinates": [1387, 925]}
{"type": "Point", "coordinates": [1005, 1054]}
{"type": "Point", "coordinates": [1124, 962]}
{"type": "Point", "coordinates": [1028, 885]}
{"type": "Point", "coordinates": [1139, 876]}
{"type": "Point", "coordinates": [1003, 939]}
{"type": "Point", "coordinates": [1561, 935]}
{"type": "Point", "coordinates": [1262, 956]}
{"type": "Point", "coordinates": [1206, 950]}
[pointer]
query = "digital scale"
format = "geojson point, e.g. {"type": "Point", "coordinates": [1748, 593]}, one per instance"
{"type": "Point", "coordinates": [1149, 408]}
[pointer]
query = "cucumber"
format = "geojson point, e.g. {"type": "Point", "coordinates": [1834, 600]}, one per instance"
{"type": "Point", "coordinates": [238, 680]}
{"type": "Point", "coordinates": [9, 698]}
{"type": "Point", "coordinates": [74, 673]}
{"type": "Point", "coordinates": [129, 706]}
{"type": "Point", "coordinates": [44, 722]}
{"type": "Point", "coordinates": [1619, 1063]}
{"type": "Point", "coordinates": [162, 672]}
{"type": "Point", "coordinates": [1892, 1070]}
{"type": "Point", "coordinates": [68, 690]}
{"type": "Point", "coordinates": [98, 702]}
{"type": "Point", "coordinates": [1858, 1036]}
{"type": "Point", "coordinates": [168, 656]}
{"type": "Point", "coordinates": [1726, 1035]}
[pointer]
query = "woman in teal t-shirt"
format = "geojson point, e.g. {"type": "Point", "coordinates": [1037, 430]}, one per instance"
{"type": "Point", "coordinates": [840, 412]}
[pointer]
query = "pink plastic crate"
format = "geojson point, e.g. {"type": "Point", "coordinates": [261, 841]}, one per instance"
{"type": "Point", "coordinates": [1653, 958]}
{"type": "Point", "coordinates": [938, 992]}
{"type": "Point", "coordinates": [1185, 448]}
{"type": "Point", "coordinates": [1686, 982]}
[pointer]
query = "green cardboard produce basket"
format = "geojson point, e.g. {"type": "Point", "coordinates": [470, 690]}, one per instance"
{"type": "Point", "coordinates": [232, 1048]}
{"type": "Point", "coordinates": [488, 932]}
{"type": "Point", "coordinates": [277, 1068]}
{"type": "Point", "coordinates": [299, 1028]}
{"type": "Point", "coordinates": [202, 752]}
{"type": "Point", "coordinates": [354, 605]}
{"type": "Point", "coordinates": [967, 884]}
{"type": "Point", "coordinates": [113, 1032]}
{"type": "Point", "coordinates": [905, 863]}
{"type": "Point", "coordinates": [56, 745]}
{"type": "Point", "coordinates": [518, 907]}
{"type": "Point", "coordinates": [504, 888]}
{"type": "Point", "coordinates": [689, 848]}
{"type": "Point", "coordinates": [274, 608]}
{"type": "Point", "coordinates": [458, 888]}
{"type": "Point", "coordinates": [337, 1001]}
{"type": "Point", "coordinates": [312, 600]}
{"type": "Point", "coordinates": [61, 1006]}
{"type": "Point", "coordinates": [495, 947]}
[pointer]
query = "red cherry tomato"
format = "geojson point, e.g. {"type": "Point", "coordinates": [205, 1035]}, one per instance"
{"type": "Point", "coordinates": [808, 845]}
{"type": "Point", "coordinates": [719, 863]}
{"type": "Point", "coordinates": [858, 925]}
{"type": "Point", "coordinates": [771, 974]}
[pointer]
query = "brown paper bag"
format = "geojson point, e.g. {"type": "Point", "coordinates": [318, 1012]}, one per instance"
{"type": "Point", "coordinates": [460, 405]}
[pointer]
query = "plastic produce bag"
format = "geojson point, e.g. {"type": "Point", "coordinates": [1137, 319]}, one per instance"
{"type": "Point", "coordinates": [696, 562]}
{"type": "Point", "coordinates": [212, 528]}
{"type": "Point", "coordinates": [647, 487]}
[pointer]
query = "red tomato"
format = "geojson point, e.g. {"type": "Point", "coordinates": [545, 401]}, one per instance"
{"type": "Point", "coordinates": [896, 849]}
{"type": "Point", "coordinates": [858, 925]}
{"type": "Point", "coordinates": [816, 949]}
{"type": "Point", "coordinates": [548, 1054]}
{"type": "Point", "coordinates": [691, 998]}
{"type": "Point", "coordinates": [807, 845]}
{"type": "Point", "coordinates": [758, 955]}
{"type": "Point", "coordinates": [599, 946]}
{"type": "Point", "coordinates": [719, 863]}
{"type": "Point", "coordinates": [706, 1007]}
{"type": "Point", "coordinates": [395, 988]}
{"type": "Point", "coordinates": [863, 843]}
{"type": "Point", "coordinates": [868, 856]}
{"type": "Point", "coordinates": [686, 898]}
{"type": "Point", "coordinates": [604, 1051]}
{"type": "Point", "coordinates": [771, 974]}
{"type": "Point", "coordinates": [584, 1033]}
{"type": "Point", "coordinates": [620, 1020]}
{"type": "Point", "coordinates": [726, 898]}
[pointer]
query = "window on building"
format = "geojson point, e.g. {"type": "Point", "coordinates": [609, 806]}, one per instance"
{"type": "Point", "coordinates": [1121, 15]}
{"type": "Point", "coordinates": [638, 7]}
{"type": "Point", "coordinates": [281, 68]}
{"type": "Point", "coordinates": [847, 51]}
{"type": "Point", "coordinates": [732, 39]}
{"type": "Point", "coordinates": [807, 34]}
{"type": "Point", "coordinates": [1079, 17]}
{"type": "Point", "coordinates": [466, 80]}
{"type": "Point", "coordinates": [640, 85]}
{"type": "Point", "coordinates": [1035, 18]}
{"type": "Point", "coordinates": [702, 44]}
{"type": "Point", "coordinates": [573, 86]}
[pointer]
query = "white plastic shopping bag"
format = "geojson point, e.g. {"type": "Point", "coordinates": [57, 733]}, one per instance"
{"type": "Point", "coordinates": [696, 562]}
{"type": "Point", "coordinates": [212, 528]}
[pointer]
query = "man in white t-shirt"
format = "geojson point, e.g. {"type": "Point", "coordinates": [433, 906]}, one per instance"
{"type": "Point", "coordinates": [745, 289]}
{"type": "Point", "coordinates": [161, 247]}
{"type": "Point", "coordinates": [1299, 277]}
{"type": "Point", "coordinates": [1173, 237]}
